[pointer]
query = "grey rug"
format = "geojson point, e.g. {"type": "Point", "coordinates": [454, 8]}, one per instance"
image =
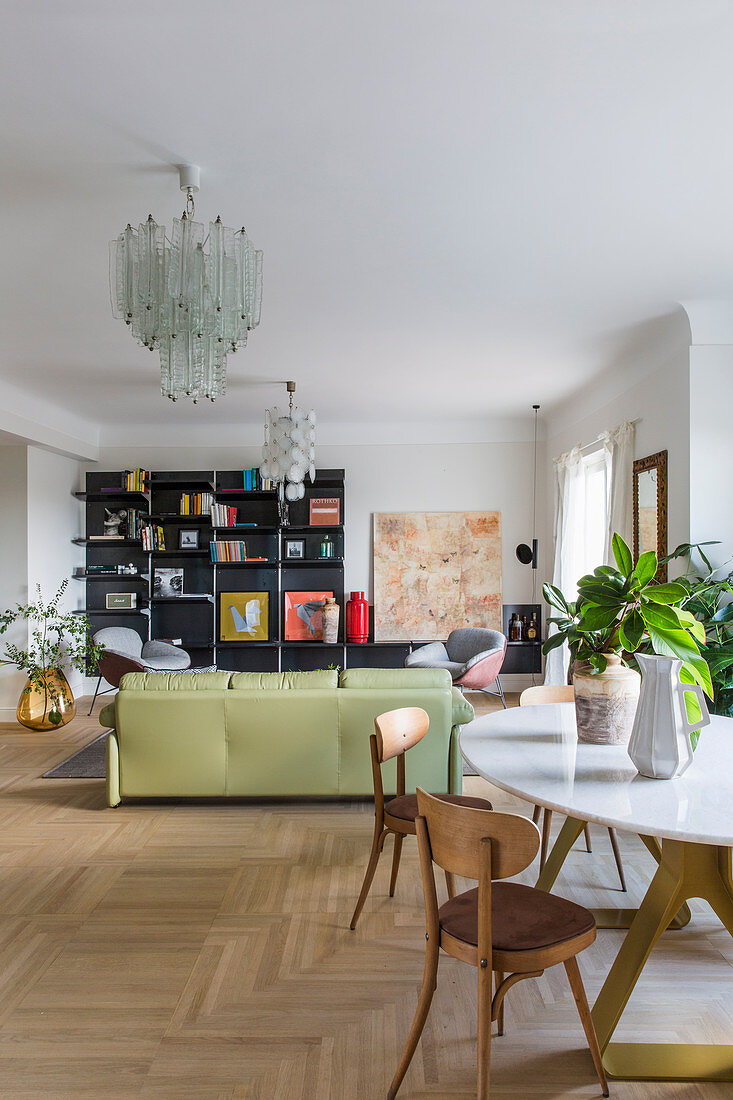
{"type": "Point", "coordinates": [87, 763]}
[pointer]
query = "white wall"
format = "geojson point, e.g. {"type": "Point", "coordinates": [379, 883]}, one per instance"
{"type": "Point", "coordinates": [395, 477]}
{"type": "Point", "coordinates": [661, 401]}
{"type": "Point", "coordinates": [13, 574]}
{"type": "Point", "coordinates": [711, 500]}
{"type": "Point", "coordinates": [54, 518]}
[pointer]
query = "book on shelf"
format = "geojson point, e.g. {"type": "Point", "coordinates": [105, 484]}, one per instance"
{"type": "Point", "coordinates": [228, 551]}
{"type": "Point", "coordinates": [134, 481]}
{"type": "Point", "coordinates": [223, 515]}
{"type": "Point", "coordinates": [105, 538]}
{"type": "Point", "coordinates": [325, 511]}
{"type": "Point", "coordinates": [153, 537]}
{"type": "Point", "coordinates": [196, 504]}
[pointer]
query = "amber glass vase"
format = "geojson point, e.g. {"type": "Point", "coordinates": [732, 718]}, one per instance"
{"type": "Point", "coordinates": [46, 703]}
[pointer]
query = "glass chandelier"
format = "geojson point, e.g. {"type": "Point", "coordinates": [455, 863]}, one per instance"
{"type": "Point", "coordinates": [191, 305]}
{"type": "Point", "coordinates": [289, 451]}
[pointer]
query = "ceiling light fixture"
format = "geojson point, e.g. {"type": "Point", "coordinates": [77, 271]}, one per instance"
{"type": "Point", "coordinates": [190, 305]}
{"type": "Point", "coordinates": [289, 451]}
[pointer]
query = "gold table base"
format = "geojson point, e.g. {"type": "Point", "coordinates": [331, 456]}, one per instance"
{"type": "Point", "coordinates": [686, 870]}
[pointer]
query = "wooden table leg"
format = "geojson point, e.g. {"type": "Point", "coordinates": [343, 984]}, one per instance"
{"type": "Point", "coordinates": [686, 871]}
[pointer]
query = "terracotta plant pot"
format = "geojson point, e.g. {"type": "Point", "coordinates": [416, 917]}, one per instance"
{"type": "Point", "coordinates": [48, 705]}
{"type": "Point", "coordinates": [605, 702]}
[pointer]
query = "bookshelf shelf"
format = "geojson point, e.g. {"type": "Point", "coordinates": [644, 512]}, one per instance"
{"type": "Point", "coordinates": [248, 562]}
{"type": "Point", "coordinates": [311, 529]}
{"type": "Point", "coordinates": [186, 597]}
{"type": "Point", "coordinates": [176, 517]}
{"type": "Point", "coordinates": [94, 611]}
{"type": "Point", "coordinates": [182, 484]}
{"type": "Point", "coordinates": [110, 577]}
{"type": "Point", "coordinates": [108, 498]}
{"type": "Point", "coordinates": [108, 543]}
{"type": "Point", "coordinates": [334, 563]}
{"type": "Point", "coordinates": [179, 553]}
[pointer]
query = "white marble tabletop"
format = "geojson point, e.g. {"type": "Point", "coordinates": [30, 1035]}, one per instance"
{"type": "Point", "coordinates": [534, 752]}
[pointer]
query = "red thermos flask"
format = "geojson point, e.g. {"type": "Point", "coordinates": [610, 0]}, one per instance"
{"type": "Point", "coordinates": [357, 618]}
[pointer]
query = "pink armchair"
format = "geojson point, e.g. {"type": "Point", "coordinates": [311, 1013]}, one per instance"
{"type": "Point", "coordinates": [473, 656]}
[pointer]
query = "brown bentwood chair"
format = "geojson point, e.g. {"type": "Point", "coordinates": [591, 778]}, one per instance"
{"type": "Point", "coordinates": [561, 693]}
{"type": "Point", "coordinates": [500, 926]}
{"type": "Point", "coordinates": [395, 732]}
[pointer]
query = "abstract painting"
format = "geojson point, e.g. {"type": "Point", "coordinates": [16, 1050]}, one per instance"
{"type": "Point", "coordinates": [303, 616]}
{"type": "Point", "coordinates": [435, 572]}
{"type": "Point", "coordinates": [244, 616]}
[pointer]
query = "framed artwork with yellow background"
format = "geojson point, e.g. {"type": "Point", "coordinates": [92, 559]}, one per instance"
{"type": "Point", "coordinates": [244, 616]}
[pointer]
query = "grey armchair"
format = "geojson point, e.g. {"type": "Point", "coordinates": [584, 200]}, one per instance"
{"type": "Point", "coordinates": [124, 651]}
{"type": "Point", "coordinates": [472, 655]}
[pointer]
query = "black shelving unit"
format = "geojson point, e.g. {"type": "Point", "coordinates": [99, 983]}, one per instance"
{"type": "Point", "coordinates": [524, 656]}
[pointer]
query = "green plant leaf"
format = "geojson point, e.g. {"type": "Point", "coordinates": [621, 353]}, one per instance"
{"type": "Point", "coordinates": [660, 616]}
{"type": "Point", "coordinates": [724, 614]}
{"type": "Point", "coordinates": [666, 593]}
{"type": "Point", "coordinates": [597, 618]}
{"type": "Point", "coordinates": [601, 594]}
{"type": "Point", "coordinates": [622, 554]}
{"type": "Point", "coordinates": [555, 598]}
{"type": "Point", "coordinates": [695, 627]}
{"type": "Point", "coordinates": [598, 662]}
{"type": "Point", "coordinates": [644, 570]}
{"type": "Point", "coordinates": [553, 642]}
{"type": "Point", "coordinates": [631, 632]}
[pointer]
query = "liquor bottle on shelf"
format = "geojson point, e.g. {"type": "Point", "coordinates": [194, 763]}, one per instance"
{"type": "Point", "coordinates": [523, 628]}
{"type": "Point", "coordinates": [514, 628]}
{"type": "Point", "coordinates": [532, 629]}
{"type": "Point", "coordinates": [327, 548]}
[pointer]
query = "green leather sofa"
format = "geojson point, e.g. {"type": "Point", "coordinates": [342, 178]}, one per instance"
{"type": "Point", "coordinates": [222, 734]}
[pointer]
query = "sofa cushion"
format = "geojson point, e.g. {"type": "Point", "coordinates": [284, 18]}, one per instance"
{"type": "Point", "coordinates": [175, 681]}
{"type": "Point", "coordinates": [279, 681]}
{"type": "Point", "coordinates": [462, 710]}
{"type": "Point", "coordinates": [391, 679]}
{"type": "Point", "coordinates": [107, 715]}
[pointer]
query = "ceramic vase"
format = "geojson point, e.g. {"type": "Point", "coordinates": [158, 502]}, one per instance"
{"type": "Point", "coordinates": [357, 618]}
{"type": "Point", "coordinates": [605, 702]}
{"type": "Point", "coordinates": [660, 745]}
{"type": "Point", "coordinates": [331, 613]}
{"type": "Point", "coordinates": [46, 704]}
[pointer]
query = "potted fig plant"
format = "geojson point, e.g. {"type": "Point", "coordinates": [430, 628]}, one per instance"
{"type": "Point", "coordinates": [57, 639]}
{"type": "Point", "coordinates": [619, 609]}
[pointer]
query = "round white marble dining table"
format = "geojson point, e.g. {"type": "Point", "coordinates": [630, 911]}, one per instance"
{"type": "Point", "coordinates": [686, 823]}
{"type": "Point", "coordinates": [534, 752]}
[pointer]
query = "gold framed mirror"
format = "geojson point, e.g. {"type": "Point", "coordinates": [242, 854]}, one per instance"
{"type": "Point", "coordinates": [650, 507]}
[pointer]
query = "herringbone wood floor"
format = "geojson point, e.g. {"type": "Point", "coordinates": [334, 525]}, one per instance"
{"type": "Point", "coordinates": [202, 952]}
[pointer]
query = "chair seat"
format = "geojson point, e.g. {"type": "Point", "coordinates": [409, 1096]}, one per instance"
{"type": "Point", "coordinates": [405, 805]}
{"type": "Point", "coordinates": [522, 918]}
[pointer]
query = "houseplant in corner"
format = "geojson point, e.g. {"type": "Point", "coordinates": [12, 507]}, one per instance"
{"type": "Point", "coordinates": [617, 610]}
{"type": "Point", "coordinates": [56, 639]}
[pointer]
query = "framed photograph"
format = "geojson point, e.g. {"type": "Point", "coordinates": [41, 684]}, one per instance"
{"type": "Point", "coordinates": [303, 616]}
{"type": "Point", "coordinates": [295, 548]}
{"type": "Point", "coordinates": [167, 583]}
{"type": "Point", "coordinates": [244, 616]}
{"type": "Point", "coordinates": [188, 538]}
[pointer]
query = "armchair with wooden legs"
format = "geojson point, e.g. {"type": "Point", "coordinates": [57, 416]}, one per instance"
{"type": "Point", "coordinates": [395, 732]}
{"type": "Point", "coordinates": [562, 693]}
{"type": "Point", "coordinates": [501, 928]}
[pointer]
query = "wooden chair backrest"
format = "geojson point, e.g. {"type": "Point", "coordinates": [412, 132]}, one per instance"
{"type": "Point", "coordinates": [547, 693]}
{"type": "Point", "coordinates": [398, 730]}
{"type": "Point", "coordinates": [456, 832]}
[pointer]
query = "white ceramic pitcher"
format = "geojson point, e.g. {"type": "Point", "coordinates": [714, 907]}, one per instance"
{"type": "Point", "coordinates": [660, 744]}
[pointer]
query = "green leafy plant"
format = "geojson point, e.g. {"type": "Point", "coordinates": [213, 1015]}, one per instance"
{"type": "Point", "coordinates": [709, 597]}
{"type": "Point", "coordinates": [619, 610]}
{"type": "Point", "coordinates": [58, 639]}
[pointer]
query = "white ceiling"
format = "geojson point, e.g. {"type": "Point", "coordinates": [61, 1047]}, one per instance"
{"type": "Point", "coordinates": [465, 206]}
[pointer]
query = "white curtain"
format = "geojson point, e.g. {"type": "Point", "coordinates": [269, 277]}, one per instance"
{"type": "Point", "coordinates": [620, 446]}
{"type": "Point", "coordinates": [593, 499]}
